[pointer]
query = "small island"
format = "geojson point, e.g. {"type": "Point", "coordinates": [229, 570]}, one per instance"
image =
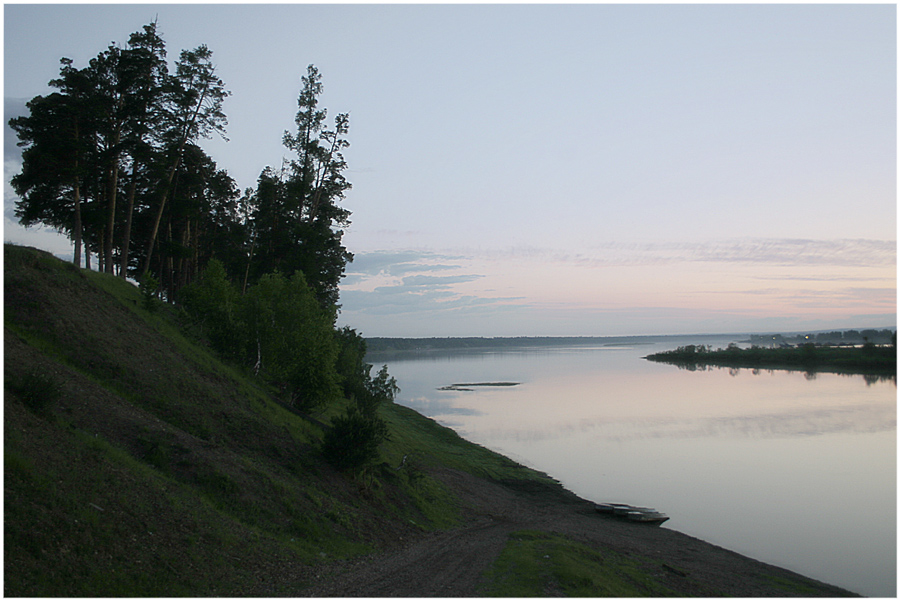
{"type": "Point", "coordinates": [469, 386]}
{"type": "Point", "coordinates": [866, 359]}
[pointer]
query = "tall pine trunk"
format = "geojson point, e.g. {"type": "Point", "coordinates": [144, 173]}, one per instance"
{"type": "Point", "coordinates": [126, 235]}
{"type": "Point", "coordinates": [76, 229]}
{"type": "Point", "coordinates": [111, 199]}
{"type": "Point", "coordinates": [110, 220]}
{"type": "Point", "coordinates": [170, 177]}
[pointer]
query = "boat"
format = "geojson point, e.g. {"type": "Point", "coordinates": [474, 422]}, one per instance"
{"type": "Point", "coordinates": [612, 508]}
{"type": "Point", "coordinates": [644, 515]}
{"type": "Point", "coordinates": [647, 517]}
{"type": "Point", "coordinates": [609, 507]}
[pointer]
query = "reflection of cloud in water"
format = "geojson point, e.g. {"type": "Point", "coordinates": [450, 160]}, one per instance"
{"type": "Point", "coordinates": [864, 419]}
{"type": "Point", "coordinates": [436, 408]}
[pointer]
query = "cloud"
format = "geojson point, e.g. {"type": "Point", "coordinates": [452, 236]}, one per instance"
{"type": "Point", "coordinates": [873, 296]}
{"type": "Point", "coordinates": [827, 277]}
{"type": "Point", "coordinates": [435, 291]}
{"type": "Point", "coordinates": [409, 286]}
{"type": "Point", "coordinates": [397, 263]}
{"type": "Point", "coordinates": [769, 251]}
{"type": "Point", "coordinates": [441, 281]}
{"type": "Point", "coordinates": [854, 253]}
{"type": "Point", "coordinates": [12, 107]}
{"type": "Point", "coordinates": [402, 299]}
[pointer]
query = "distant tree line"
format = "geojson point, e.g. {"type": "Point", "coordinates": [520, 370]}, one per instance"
{"type": "Point", "coordinates": [866, 359]}
{"type": "Point", "coordinates": [837, 337]}
{"type": "Point", "coordinates": [111, 159]}
{"type": "Point", "coordinates": [379, 344]}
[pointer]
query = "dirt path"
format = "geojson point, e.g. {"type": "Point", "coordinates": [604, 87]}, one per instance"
{"type": "Point", "coordinates": [451, 563]}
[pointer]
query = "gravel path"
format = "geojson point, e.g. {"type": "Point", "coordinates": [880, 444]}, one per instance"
{"type": "Point", "coordinates": [451, 563]}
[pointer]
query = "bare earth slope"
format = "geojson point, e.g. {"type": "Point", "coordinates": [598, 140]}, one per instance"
{"type": "Point", "coordinates": [452, 564]}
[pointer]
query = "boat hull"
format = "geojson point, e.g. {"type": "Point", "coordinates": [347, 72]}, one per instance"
{"type": "Point", "coordinates": [640, 515]}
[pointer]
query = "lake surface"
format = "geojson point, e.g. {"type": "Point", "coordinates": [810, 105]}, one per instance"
{"type": "Point", "coordinates": [790, 469]}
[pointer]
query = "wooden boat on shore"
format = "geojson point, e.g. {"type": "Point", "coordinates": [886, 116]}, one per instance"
{"type": "Point", "coordinates": [644, 515]}
{"type": "Point", "coordinates": [648, 517]}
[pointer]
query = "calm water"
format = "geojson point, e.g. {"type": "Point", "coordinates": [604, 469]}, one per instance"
{"type": "Point", "coordinates": [792, 470]}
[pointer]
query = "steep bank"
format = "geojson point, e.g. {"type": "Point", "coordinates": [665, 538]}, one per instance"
{"type": "Point", "coordinates": [138, 464]}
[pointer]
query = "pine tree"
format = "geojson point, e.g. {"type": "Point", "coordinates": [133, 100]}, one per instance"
{"type": "Point", "coordinates": [297, 222]}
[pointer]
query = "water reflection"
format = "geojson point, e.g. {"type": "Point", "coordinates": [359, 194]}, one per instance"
{"type": "Point", "coordinates": [437, 407]}
{"type": "Point", "coordinates": [704, 445]}
{"type": "Point", "coordinates": [808, 374]}
{"type": "Point", "coordinates": [852, 420]}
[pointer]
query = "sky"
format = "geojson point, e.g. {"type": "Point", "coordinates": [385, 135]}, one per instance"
{"type": "Point", "coordinates": [556, 170]}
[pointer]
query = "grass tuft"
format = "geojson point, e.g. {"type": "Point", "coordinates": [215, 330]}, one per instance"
{"type": "Point", "coordinates": [538, 564]}
{"type": "Point", "coordinates": [37, 390]}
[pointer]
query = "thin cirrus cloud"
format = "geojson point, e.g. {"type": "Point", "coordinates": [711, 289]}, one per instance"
{"type": "Point", "coordinates": [397, 282]}
{"type": "Point", "coordinates": [784, 252]}
{"type": "Point", "coordinates": [414, 281]}
{"type": "Point", "coordinates": [399, 262]}
{"type": "Point", "coordinates": [851, 252]}
{"type": "Point", "coordinates": [854, 252]}
{"type": "Point", "coordinates": [395, 300]}
{"type": "Point", "coordinates": [481, 283]}
{"type": "Point", "coordinates": [770, 251]}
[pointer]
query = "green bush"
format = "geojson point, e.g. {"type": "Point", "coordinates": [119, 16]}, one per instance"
{"type": "Point", "coordinates": [38, 390]}
{"type": "Point", "coordinates": [148, 288]}
{"type": "Point", "coordinates": [214, 304]}
{"type": "Point", "coordinates": [277, 328]}
{"type": "Point", "coordinates": [352, 370]}
{"type": "Point", "coordinates": [292, 339]}
{"type": "Point", "coordinates": [352, 442]}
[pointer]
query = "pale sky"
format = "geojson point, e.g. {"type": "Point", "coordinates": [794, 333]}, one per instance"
{"type": "Point", "coordinates": [538, 170]}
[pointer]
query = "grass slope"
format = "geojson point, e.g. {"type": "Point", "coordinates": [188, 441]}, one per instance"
{"type": "Point", "coordinates": [555, 566]}
{"type": "Point", "coordinates": [137, 463]}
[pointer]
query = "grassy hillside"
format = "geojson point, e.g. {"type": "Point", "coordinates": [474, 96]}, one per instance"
{"type": "Point", "coordinates": [137, 463]}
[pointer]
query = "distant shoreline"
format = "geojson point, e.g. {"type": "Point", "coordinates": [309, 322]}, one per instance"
{"type": "Point", "coordinates": [386, 344]}
{"type": "Point", "coordinates": [865, 360]}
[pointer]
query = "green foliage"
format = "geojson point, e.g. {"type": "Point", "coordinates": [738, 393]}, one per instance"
{"type": "Point", "coordinates": [350, 365]}
{"type": "Point", "coordinates": [194, 482]}
{"type": "Point", "coordinates": [149, 285]}
{"type": "Point", "coordinates": [37, 389]}
{"type": "Point", "coordinates": [112, 159]}
{"type": "Point", "coordinates": [534, 564]}
{"type": "Point", "coordinates": [278, 328]}
{"type": "Point", "coordinates": [353, 439]}
{"type": "Point", "coordinates": [295, 216]}
{"type": "Point", "coordinates": [868, 359]}
{"type": "Point", "coordinates": [383, 386]}
{"type": "Point", "coordinates": [424, 441]}
{"type": "Point", "coordinates": [214, 304]}
{"type": "Point", "coordinates": [293, 338]}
